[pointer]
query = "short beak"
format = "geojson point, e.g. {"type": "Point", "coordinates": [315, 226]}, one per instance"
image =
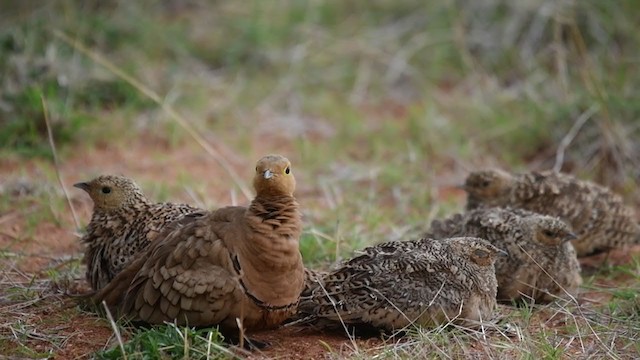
{"type": "Point", "coordinates": [267, 174]}
{"type": "Point", "coordinates": [82, 185]}
{"type": "Point", "coordinates": [569, 237]}
{"type": "Point", "coordinates": [502, 253]}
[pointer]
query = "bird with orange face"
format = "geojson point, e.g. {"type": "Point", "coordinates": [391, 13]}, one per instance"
{"type": "Point", "coordinates": [223, 266]}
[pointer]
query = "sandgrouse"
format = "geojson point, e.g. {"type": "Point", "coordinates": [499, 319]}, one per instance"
{"type": "Point", "coordinates": [213, 267]}
{"type": "Point", "coordinates": [394, 284]}
{"type": "Point", "coordinates": [123, 223]}
{"type": "Point", "coordinates": [541, 264]}
{"type": "Point", "coordinates": [599, 217]}
{"type": "Point", "coordinates": [311, 278]}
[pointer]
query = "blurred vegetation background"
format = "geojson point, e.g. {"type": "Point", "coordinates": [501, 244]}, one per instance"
{"type": "Point", "coordinates": [448, 84]}
{"type": "Point", "coordinates": [382, 106]}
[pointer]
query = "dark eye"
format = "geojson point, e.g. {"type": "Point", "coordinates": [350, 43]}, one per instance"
{"type": "Point", "coordinates": [548, 233]}
{"type": "Point", "coordinates": [287, 170]}
{"type": "Point", "coordinates": [484, 183]}
{"type": "Point", "coordinates": [106, 189]}
{"type": "Point", "coordinates": [481, 253]}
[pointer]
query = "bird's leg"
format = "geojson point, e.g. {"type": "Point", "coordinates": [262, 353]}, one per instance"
{"type": "Point", "coordinates": [240, 328]}
{"type": "Point", "coordinates": [242, 341]}
{"type": "Point", "coordinates": [254, 344]}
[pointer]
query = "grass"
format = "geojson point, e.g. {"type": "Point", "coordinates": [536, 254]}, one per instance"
{"type": "Point", "coordinates": [170, 341]}
{"type": "Point", "coordinates": [554, 331]}
{"type": "Point", "coordinates": [383, 106]}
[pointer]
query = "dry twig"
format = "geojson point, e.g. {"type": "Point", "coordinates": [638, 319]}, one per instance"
{"type": "Point", "coordinates": [56, 163]}
{"type": "Point", "coordinates": [165, 107]}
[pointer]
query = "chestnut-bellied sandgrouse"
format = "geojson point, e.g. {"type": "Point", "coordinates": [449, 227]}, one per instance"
{"type": "Point", "coordinates": [214, 267]}
{"type": "Point", "coordinates": [541, 264]}
{"type": "Point", "coordinates": [395, 284]}
{"type": "Point", "coordinates": [311, 278]}
{"type": "Point", "coordinates": [597, 215]}
{"type": "Point", "coordinates": [123, 223]}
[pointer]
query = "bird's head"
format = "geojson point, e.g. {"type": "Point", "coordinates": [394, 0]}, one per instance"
{"type": "Point", "coordinates": [274, 177]}
{"type": "Point", "coordinates": [480, 251]}
{"type": "Point", "coordinates": [110, 192]}
{"type": "Point", "coordinates": [488, 184]}
{"type": "Point", "coordinates": [550, 231]}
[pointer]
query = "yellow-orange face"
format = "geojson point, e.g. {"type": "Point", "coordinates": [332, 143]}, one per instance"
{"type": "Point", "coordinates": [274, 177]}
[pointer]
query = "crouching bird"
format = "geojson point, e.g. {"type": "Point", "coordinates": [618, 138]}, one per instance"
{"type": "Point", "coordinates": [395, 284]}
{"type": "Point", "coordinates": [124, 222]}
{"type": "Point", "coordinates": [542, 264]}
{"type": "Point", "coordinates": [235, 265]}
{"type": "Point", "coordinates": [600, 218]}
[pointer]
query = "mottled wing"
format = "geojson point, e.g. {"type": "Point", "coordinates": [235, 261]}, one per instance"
{"type": "Point", "coordinates": [622, 228]}
{"type": "Point", "coordinates": [487, 223]}
{"type": "Point", "coordinates": [164, 214]}
{"type": "Point", "coordinates": [102, 261]}
{"type": "Point", "coordinates": [558, 195]}
{"type": "Point", "coordinates": [384, 287]}
{"type": "Point", "coordinates": [446, 228]}
{"type": "Point", "coordinates": [312, 279]}
{"type": "Point", "coordinates": [99, 268]}
{"type": "Point", "coordinates": [189, 275]}
{"type": "Point", "coordinates": [113, 293]}
{"type": "Point", "coordinates": [597, 215]}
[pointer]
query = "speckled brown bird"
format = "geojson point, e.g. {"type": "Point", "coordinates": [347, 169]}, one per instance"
{"type": "Point", "coordinates": [394, 284]}
{"type": "Point", "coordinates": [541, 265]}
{"type": "Point", "coordinates": [213, 267]}
{"type": "Point", "coordinates": [123, 223]}
{"type": "Point", "coordinates": [598, 216]}
{"type": "Point", "coordinates": [311, 278]}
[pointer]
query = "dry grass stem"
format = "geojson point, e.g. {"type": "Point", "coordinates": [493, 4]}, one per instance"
{"type": "Point", "coordinates": [56, 161]}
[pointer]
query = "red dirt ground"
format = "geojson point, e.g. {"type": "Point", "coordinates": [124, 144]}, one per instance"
{"type": "Point", "coordinates": [296, 343]}
{"type": "Point", "coordinates": [30, 250]}
{"type": "Point", "coordinates": [37, 248]}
